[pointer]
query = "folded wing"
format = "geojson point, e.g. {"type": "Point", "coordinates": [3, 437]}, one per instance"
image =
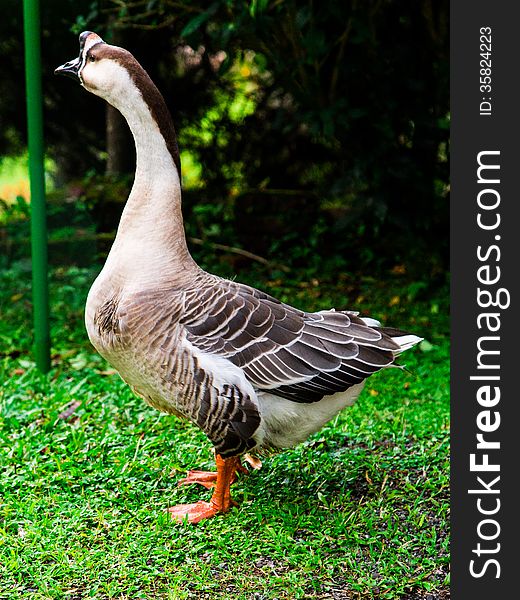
{"type": "Point", "coordinates": [293, 354]}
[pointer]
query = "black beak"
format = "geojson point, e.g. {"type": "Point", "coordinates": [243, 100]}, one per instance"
{"type": "Point", "coordinates": [71, 69]}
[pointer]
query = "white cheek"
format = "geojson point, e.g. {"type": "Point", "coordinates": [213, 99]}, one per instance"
{"type": "Point", "coordinates": [106, 79]}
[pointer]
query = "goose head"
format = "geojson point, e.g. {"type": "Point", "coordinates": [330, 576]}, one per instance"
{"type": "Point", "coordinates": [113, 74]}
{"type": "Point", "coordinates": [102, 69]}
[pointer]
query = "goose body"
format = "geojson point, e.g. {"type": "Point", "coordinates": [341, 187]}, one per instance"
{"type": "Point", "coordinates": [252, 372]}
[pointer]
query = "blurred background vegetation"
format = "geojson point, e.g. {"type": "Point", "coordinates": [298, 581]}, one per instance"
{"type": "Point", "coordinates": [314, 135]}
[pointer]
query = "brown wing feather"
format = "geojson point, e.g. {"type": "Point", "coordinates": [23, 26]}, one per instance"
{"type": "Point", "coordinates": [293, 354]}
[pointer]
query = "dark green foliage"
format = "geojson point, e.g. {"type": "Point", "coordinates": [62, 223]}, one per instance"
{"type": "Point", "coordinates": [72, 124]}
{"type": "Point", "coordinates": [345, 101]}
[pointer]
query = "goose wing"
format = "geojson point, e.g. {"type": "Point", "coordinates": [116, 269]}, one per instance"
{"type": "Point", "coordinates": [297, 355]}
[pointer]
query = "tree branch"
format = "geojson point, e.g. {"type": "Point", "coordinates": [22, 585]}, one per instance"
{"type": "Point", "coordinates": [240, 252]}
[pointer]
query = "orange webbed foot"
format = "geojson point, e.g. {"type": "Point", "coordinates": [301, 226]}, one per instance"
{"type": "Point", "coordinates": [193, 513]}
{"type": "Point", "coordinates": [221, 501]}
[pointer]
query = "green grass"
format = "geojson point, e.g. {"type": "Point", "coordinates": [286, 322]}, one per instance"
{"type": "Point", "coordinates": [358, 511]}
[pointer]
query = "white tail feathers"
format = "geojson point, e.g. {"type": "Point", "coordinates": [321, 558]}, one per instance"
{"type": "Point", "coordinates": [371, 322]}
{"type": "Point", "coordinates": [406, 342]}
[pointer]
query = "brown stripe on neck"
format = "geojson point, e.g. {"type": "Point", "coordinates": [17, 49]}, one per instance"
{"type": "Point", "coordinates": [151, 95]}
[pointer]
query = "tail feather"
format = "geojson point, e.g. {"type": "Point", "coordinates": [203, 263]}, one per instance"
{"type": "Point", "coordinates": [406, 341]}
{"type": "Point", "coordinates": [403, 339]}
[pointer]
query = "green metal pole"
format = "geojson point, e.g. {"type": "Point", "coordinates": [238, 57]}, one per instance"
{"type": "Point", "coordinates": [40, 290]}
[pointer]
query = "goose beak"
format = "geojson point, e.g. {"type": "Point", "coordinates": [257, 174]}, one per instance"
{"type": "Point", "coordinates": [87, 39]}
{"type": "Point", "coordinates": [71, 69]}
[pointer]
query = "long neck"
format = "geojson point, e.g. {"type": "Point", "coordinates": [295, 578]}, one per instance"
{"type": "Point", "coordinates": [150, 242]}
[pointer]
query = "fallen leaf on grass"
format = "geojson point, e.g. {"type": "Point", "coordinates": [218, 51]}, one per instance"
{"type": "Point", "coordinates": [66, 414]}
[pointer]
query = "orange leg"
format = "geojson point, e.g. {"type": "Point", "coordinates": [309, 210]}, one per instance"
{"type": "Point", "coordinates": [209, 478]}
{"type": "Point", "coordinates": [220, 502]}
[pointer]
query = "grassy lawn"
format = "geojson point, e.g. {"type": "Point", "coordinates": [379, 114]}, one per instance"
{"type": "Point", "coordinates": [359, 511]}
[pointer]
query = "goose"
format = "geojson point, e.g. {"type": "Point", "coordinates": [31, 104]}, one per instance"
{"type": "Point", "coordinates": [255, 374]}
